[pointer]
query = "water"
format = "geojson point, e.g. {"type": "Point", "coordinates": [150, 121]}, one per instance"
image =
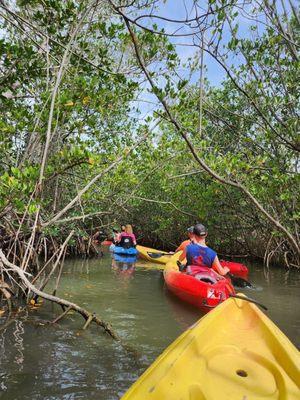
{"type": "Point", "coordinates": [39, 361]}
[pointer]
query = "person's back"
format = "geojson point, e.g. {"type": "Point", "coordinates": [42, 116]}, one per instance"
{"type": "Point", "coordinates": [199, 255]}
{"type": "Point", "coordinates": [127, 239]}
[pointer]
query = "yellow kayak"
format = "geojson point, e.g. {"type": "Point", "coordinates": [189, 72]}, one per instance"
{"type": "Point", "coordinates": [233, 353]}
{"type": "Point", "coordinates": [153, 255]}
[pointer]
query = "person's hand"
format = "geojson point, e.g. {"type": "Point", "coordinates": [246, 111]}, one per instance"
{"type": "Point", "coordinates": [171, 252]}
{"type": "Point", "coordinates": [226, 270]}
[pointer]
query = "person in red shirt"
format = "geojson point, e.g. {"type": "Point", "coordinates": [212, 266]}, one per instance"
{"type": "Point", "coordinates": [182, 247]}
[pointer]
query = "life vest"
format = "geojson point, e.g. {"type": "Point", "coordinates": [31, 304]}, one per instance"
{"type": "Point", "coordinates": [126, 242]}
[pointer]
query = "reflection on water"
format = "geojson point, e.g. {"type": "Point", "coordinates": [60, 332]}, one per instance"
{"type": "Point", "coordinates": [18, 336]}
{"type": "Point", "coordinates": [123, 267]}
{"type": "Point", "coordinates": [39, 361]}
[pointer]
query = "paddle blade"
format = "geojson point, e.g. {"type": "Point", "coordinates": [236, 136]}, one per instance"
{"type": "Point", "coordinates": [239, 282]}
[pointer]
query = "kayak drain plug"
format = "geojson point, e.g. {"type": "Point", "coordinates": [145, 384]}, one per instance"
{"type": "Point", "coordinates": [242, 373]}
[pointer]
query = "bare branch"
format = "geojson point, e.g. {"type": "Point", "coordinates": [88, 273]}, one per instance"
{"type": "Point", "coordinates": [167, 203]}
{"type": "Point", "coordinates": [91, 182]}
{"type": "Point", "coordinates": [200, 160]}
{"type": "Point", "coordinates": [56, 299]}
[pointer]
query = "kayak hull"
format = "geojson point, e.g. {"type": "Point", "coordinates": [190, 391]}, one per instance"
{"type": "Point", "coordinates": [233, 353]}
{"type": "Point", "coordinates": [236, 268]}
{"type": "Point", "coordinates": [144, 254]}
{"type": "Point", "coordinates": [106, 243]}
{"type": "Point", "coordinates": [132, 251]}
{"type": "Point", "coordinates": [204, 293]}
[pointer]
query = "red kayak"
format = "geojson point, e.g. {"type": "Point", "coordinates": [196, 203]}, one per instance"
{"type": "Point", "coordinates": [106, 243]}
{"type": "Point", "coordinates": [235, 268]}
{"type": "Point", "coordinates": [205, 291]}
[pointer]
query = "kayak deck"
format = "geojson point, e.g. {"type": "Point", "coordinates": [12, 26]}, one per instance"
{"type": "Point", "coordinates": [233, 353]}
{"type": "Point", "coordinates": [204, 294]}
{"type": "Point", "coordinates": [144, 253]}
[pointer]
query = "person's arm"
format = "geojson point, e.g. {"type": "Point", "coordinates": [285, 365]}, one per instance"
{"type": "Point", "coordinates": [218, 267]}
{"type": "Point", "coordinates": [182, 255]}
{"type": "Point", "coordinates": [187, 253]}
{"type": "Point", "coordinates": [134, 239]}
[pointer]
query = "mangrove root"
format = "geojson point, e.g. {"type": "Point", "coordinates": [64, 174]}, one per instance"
{"type": "Point", "coordinates": [64, 303]}
{"type": "Point", "coordinates": [88, 321]}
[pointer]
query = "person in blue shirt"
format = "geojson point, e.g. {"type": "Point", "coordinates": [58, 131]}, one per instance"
{"type": "Point", "coordinates": [199, 254]}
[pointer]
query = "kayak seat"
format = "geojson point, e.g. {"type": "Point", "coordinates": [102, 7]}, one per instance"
{"type": "Point", "coordinates": [206, 278]}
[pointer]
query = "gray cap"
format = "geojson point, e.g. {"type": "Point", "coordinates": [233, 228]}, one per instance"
{"type": "Point", "coordinates": [199, 230]}
{"type": "Point", "coordinates": [190, 229]}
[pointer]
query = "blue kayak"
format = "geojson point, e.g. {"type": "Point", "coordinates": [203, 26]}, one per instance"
{"type": "Point", "coordinates": [132, 251]}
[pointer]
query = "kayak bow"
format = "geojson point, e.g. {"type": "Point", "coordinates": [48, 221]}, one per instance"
{"type": "Point", "coordinates": [233, 353]}
{"type": "Point", "coordinates": [149, 254]}
{"type": "Point", "coordinates": [131, 251]}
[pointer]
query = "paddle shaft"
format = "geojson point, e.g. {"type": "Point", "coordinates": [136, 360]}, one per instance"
{"type": "Point", "coordinates": [236, 296]}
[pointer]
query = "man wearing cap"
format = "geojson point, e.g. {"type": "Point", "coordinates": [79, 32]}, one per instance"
{"type": "Point", "coordinates": [182, 247]}
{"type": "Point", "coordinates": [199, 255]}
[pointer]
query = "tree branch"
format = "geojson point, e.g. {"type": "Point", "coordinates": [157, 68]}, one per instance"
{"type": "Point", "coordinates": [203, 164]}
{"type": "Point", "coordinates": [106, 326]}
{"type": "Point", "coordinates": [92, 181]}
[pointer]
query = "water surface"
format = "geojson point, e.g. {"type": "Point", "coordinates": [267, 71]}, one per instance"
{"type": "Point", "coordinates": [39, 361]}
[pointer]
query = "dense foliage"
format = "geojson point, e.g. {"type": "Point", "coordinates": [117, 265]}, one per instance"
{"type": "Point", "coordinates": [96, 108]}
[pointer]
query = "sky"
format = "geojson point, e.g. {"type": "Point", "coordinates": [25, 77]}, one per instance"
{"type": "Point", "coordinates": [179, 10]}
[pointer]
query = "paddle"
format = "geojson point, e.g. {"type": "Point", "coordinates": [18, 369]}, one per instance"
{"type": "Point", "coordinates": [181, 266]}
{"type": "Point", "coordinates": [236, 296]}
{"type": "Point", "coordinates": [158, 255]}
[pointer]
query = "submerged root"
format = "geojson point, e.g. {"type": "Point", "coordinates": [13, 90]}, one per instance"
{"type": "Point", "coordinates": [88, 321]}
{"type": "Point", "coordinates": [61, 315]}
{"type": "Point", "coordinates": [62, 302]}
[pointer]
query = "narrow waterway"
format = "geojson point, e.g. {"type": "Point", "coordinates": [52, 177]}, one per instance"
{"type": "Point", "coordinates": [39, 361]}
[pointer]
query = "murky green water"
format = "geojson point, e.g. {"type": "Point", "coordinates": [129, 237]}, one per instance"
{"type": "Point", "coordinates": [63, 362]}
